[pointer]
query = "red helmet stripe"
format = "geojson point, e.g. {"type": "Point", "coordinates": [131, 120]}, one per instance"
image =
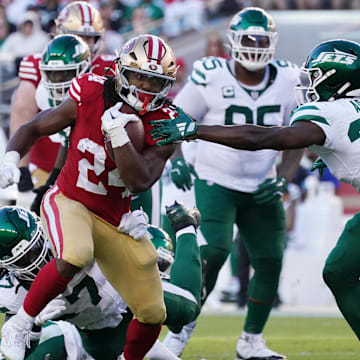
{"type": "Point", "coordinates": [82, 13]}
{"type": "Point", "coordinates": [160, 51]}
{"type": "Point", "coordinates": [89, 12]}
{"type": "Point", "coordinates": [150, 48]}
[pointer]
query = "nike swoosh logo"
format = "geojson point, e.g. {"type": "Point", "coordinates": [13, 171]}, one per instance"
{"type": "Point", "coordinates": [112, 116]}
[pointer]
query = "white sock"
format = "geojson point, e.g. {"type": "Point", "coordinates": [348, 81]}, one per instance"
{"type": "Point", "coordinates": [250, 337]}
{"type": "Point", "coordinates": [25, 317]}
{"type": "Point", "coordinates": [160, 352]}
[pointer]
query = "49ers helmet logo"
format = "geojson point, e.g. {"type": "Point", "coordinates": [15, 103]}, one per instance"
{"type": "Point", "coordinates": [128, 46]}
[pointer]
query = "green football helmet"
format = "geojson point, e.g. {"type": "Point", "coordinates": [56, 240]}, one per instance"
{"type": "Point", "coordinates": [331, 71]}
{"type": "Point", "coordinates": [253, 37]}
{"type": "Point", "coordinates": [163, 244]}
{"type": "Point", "coordinates": [24, 247]}
{"type": "Point", "coordinates": [66, 57]}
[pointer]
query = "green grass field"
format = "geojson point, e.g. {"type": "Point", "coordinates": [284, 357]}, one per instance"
{"type": "Point", "coordinates": [299, 338]}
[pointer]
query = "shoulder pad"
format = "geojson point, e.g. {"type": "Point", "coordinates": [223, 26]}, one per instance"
{"type": "Point", "coordinates": [291, 70]}
{"type": "Point", "coordinates": [87, 87]}
{"type": "Point", "coordinates": [29, 69]}
{"type": "Point", "coordinates": [309, 112]}
{"type": "Point", "coordinates": [205, 69]}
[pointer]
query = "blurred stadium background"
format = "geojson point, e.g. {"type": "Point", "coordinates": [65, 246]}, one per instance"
{"type": "Point", "coordinates": [322, 206]}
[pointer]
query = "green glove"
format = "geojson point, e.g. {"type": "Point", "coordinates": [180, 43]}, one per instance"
{"type": "Point", "coordinates": [174, 130]}
{"type": "Point", "coordinates": [270, 189]}
{"type": "Point", "coordinates": [181, 174]}
{"type": "Point", "coordinates": [319, 165]}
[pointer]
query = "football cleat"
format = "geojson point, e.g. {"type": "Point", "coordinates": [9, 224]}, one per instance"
{"type": "Point", "coordinates": [16, 335]}
{"type": "Point", "coordinates": [177, 342]}
{"type": "Point", "coordinates": [180, 216]}
{"type": "Point", "coordinates": [254, 348]}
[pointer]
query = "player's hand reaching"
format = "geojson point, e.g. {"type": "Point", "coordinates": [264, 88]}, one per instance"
{"type": "Point", "coordinates": [174, 130]}
{"type": "Point", "coordinates": [135, 224]}
{"type": "Point", "coordinates": [181, 172]}
{"type": "Point", "coordinates": [9, 172]}
{"type": "Point", "coordinates": [270, 189]}
{"type": "Point", "coordinates": [54, 310]}
{"type": "Point", "coordinates": [319, 165]}
{"type": "Point", "coordinates": [113, 123]}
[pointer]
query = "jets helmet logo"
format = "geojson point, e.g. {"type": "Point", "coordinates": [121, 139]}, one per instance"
{"type": "Point", "coordinates": [336, 57]}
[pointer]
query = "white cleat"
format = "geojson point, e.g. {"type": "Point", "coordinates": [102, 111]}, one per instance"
{"type": "Point", "coordinates": [15, 338]}
{"type": "Point", "coordinates": [177, 342]}
{"type": "Point", "coordinates": [254, 348]}
{"type": "Point", "coordinates": [160, 352]}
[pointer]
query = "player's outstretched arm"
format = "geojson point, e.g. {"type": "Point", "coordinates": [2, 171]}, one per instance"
{"type": "Point", "coordinates": [252, 137]}
{"type": "Point", "coordinates": [244, 137]}
{"type": "Point", "coordinates": [44, 123]}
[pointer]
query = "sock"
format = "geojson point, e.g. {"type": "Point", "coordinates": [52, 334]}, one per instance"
{"type": "Point", "coordinates": [46, 286]}
{"type": "Point", "coordinates": [139, 339]}
{"type": "Point", "coordinates": [249, 336]}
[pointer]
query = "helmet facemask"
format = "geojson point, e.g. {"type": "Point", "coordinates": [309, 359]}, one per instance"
{"type": "Point", "coordinates": [144, 100]}
{"type": "Point", "coordinates": [165, 260]}
{"type": "Point", "coordinates": [253, 48]}
{"type": "Point", "coordinates": [57, 78]}
{"type": "Point", "coordinates": [28, 257]}
{"type": "Point", "coordinates": [145, 72]}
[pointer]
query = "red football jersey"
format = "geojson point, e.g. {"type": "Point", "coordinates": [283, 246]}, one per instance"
{"type": "Point", "coordinates": [89, 175]}
{"type": "Point", "coordinates": [44, 152]}
{"type": "Point", "coordinates": [29, 69]}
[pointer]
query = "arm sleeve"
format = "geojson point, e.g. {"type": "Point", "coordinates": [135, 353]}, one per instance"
{"type": "Point", "coordinates": [191, 101]}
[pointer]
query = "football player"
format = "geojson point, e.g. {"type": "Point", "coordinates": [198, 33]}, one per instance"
{"type": "Point", "coordinates": [327, 122]}
{"type": "Point", "coordinates": [250, 88]}
{"type": "Point", "coordinates": [82, 211]}
{"type": "Point", "coordinates": [90, 303]}
{"type": "Point", "coordinates": [79, 18]}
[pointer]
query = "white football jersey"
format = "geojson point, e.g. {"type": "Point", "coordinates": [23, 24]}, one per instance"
{"type": "Point", "coordinates": [91, 302]}
{"type": "Point", "coordinates": [43, 102]}
{"type": "Point", "coordinates": [214, 96]}
{"type": "Point", "coordinates": [340, 121]}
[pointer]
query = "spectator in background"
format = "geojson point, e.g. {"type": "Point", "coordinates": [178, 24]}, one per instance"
{"type": "Point", "coordinates": [111, 15]}
{"type": "Point", "coordinates": [182, 16]}
{"type": "Point", "coordinates": [3, 16]}
{"type": "Point", "coordinates": [152, 10]}
{"type": "Point", "coordinates": [29, 38]}
{"type": "Point", "coordinates": [215, 46]}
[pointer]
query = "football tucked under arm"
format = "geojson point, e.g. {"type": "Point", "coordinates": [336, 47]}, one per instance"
{"type": "Point", "coordinates": [114, 121]}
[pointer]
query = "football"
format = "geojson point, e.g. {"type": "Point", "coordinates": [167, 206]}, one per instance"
{"type": "Point", "coordinates": [135, 130]}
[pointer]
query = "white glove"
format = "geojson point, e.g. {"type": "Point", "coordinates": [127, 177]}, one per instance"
{"type": "Point", "coordinates": [53, 310]}
{"type": "Point", "coordinates": [135, 224]}
{"type": "Point", "coordinates": [113, 124]}
{"type": "Point", "coordinates": [9, 172]}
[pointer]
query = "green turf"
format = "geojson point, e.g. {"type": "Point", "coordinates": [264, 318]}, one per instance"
{"type": "Point", "coordinates": [298, 338]}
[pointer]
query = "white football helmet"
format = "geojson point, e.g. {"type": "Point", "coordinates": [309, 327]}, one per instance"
{"type": "Point", "coordinates": [253, 37]}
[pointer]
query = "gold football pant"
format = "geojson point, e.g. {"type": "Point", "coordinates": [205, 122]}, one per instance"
{"type": "Point", "coordinates": [78, 236]}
